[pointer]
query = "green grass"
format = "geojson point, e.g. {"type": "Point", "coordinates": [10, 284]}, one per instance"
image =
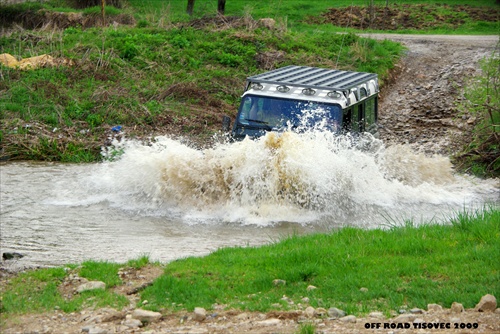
{"type": "Point", "coordinates": [122, 76]}
{"type": "Point", "coordinates": [37, 291]}
{"type": "Point", "coordinates": [297, 13]}
{"type": "Point", "coordinates": [401, 267]}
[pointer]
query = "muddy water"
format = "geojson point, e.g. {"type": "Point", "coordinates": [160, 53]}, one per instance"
{"type": "Point", "coordinates": [168, 200]}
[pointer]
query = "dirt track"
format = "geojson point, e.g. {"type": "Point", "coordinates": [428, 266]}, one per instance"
{"type": "Point", "coordinates": [420, 107]}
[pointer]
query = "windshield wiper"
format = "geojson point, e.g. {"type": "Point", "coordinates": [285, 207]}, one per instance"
{"type": "Point", "coordinates": [255, 126]}
{"type": "Point", "coordinates": [256, 121]}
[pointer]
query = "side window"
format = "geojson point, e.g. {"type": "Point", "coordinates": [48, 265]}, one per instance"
{"type": "Point", "coordinates": [358, 118]}
{"type": "Point", "coordinates": [346, 120]}
{"type": "Point", "coordinates": [370, 112]}
{"type": "Point", "coordinates": [363, 93]}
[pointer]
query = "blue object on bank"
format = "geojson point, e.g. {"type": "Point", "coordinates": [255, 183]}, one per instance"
{"type": "Point", "coordinates": [116, 128]}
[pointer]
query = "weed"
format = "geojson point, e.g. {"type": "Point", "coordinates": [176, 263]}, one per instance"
{"type": "Point", "coordinates": [307, 328]}
{"type": "Point", "coordinates": [481, 156]}
{"type": "Point", "coordinates": [37, 291]}
{"type": "Point", "coordinates": [101, 271]}
{"type": "Point", "coordinates": [140, 262]}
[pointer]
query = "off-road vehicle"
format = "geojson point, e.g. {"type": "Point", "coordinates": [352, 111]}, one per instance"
{"type": "Point", "coordinates": [301, 97]}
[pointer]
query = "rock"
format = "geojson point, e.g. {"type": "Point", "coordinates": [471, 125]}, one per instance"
{"type": "Point", "coordinates": [91, 285]}
{"type": "Point", "coordinates": [363, 290]}
{"type": "Point", "coordinates": [277, 282]}
{"type": "Point", "coordinates": [305, 300]}
{"type": "Point", "coordinates": [97, 330]}
{"type": "Point", "coordinates": [145, 315]}
{"type": "Point", "coordinates": [434, 308]}
{"type": "Point", "coordinates": [132, 323]}
{"type": "Point", "coordinates": [267, 23]}
{"type": "Point", "coordinates": [33, 62]}
{"type": "Point", "coordinates": [287, 299]}
{"type": "Point", "coordinates": [269, 322]}
{"type": "Point", "coordinates": [405, 318]}
{"type": "Point", "coordinates": [348, 318]}
{"type": "Point", "coordinates": [416, 311]}
{"type": "Point", "coordinates": [199, 314]}
{"type": "Point", "coordinates": [487, 303]}
{"type": "Point", "coordinates": [94, 330]}
{"type": "Point", "coordinates": [457, 308]}
{"type": "Point", "coordinates": [8, 60]}
{"type": "Point", "coordinates": [242, 316]}
{"type": "Point", "coordinates": [378, 315]}
{"type": "Point", "coordinates": [321, 312]}
{"type": "Point", "coordinates": [112, 315]}
{"type": "Point", "coordinates": [310, 312]}
{"type": "Point", "coordinates": [334, 312]}
{"type": "Point", "coordinates": [11, 256]}
{"type": "Point", "coordinates": [311, 287]}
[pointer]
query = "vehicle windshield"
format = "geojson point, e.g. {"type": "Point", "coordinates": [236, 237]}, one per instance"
{"type": "Point", "coordinates": [276, 113]}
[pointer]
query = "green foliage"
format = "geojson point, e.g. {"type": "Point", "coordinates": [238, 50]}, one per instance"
{"type": "Point", "coordinates": [92, 3]}
{"type": "Point", "coordinates": [481, 156]}
{"type": "Point", "coordinates": [408, 265]}
{"type": "Point", "coordinates": [140, 262]}
{"type": "Point", "coordinates": [129, 50]}
{"type": "Point", "coordinates": [37, 291]}
{"type": "Point", "coordinates": [101, 271]}
{"type": "Point", "coordinates": [97, 10]}
{"type": "Point", "coordinates": [307, 328]}
{"type": "Point", "coordinates": [49, 149]}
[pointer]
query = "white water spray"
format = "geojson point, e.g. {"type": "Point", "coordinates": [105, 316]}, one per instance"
{"type": "Point", "coordinates": [294, 177]}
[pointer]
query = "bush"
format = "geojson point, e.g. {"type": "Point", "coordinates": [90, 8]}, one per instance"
{"type": "Point", "coordinates": [91, 3]}
{"type": "Point", "coordinates": [481, 156]}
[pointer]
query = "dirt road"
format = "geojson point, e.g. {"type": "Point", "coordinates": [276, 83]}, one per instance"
{"type": "Point", "coordinates": [419, 107]}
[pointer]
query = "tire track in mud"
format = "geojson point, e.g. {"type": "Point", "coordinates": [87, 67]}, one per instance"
{"type": "Point", "coordinates": [420, 107]}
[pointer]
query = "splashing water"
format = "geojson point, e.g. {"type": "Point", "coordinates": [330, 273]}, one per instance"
{"type": "Point", "coordinates": [169, 200]}
{"type": "Point", "coordinates": [294, 177]}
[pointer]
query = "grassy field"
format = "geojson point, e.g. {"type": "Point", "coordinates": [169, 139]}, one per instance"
{"type": "Point", "coordinates": [298, 14]}
{"type": "Point", "coordinates": [401, 267]}
{"type": "Point", "coordinates": [167, 72]}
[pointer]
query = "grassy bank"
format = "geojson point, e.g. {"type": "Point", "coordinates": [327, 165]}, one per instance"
{"type": "Point", "coordinates": [426, 17]}
{"type": "Point", "coordinates": [164, 71]}
{"type": "Point", "coordinates": [401, 267]}
{"type": "Point", "coordinates": [482, 155]}
{"type": "Point", "coordinates": [179, 80]}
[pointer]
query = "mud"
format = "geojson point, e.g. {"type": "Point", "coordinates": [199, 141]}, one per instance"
{"type": "Point", "coordinates": [406, 16]}
{"type": "Point", "coordinates": [421, 107]}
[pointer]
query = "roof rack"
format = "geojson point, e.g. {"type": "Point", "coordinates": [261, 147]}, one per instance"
{"type": "Point", "coordinates": [313, 77]}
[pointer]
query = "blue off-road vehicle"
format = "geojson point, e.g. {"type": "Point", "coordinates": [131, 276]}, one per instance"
{"type": "Point", "coordinates": [302, 97]}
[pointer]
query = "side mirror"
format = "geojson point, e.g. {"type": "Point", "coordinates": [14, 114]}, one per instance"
{"type": "Point", "coordinates": [226, 123]}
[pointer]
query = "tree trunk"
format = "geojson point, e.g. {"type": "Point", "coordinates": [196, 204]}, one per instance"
{"type": "Point", "coordinates": [103, 4]}
{"type": "Point", "coordinates": [221, 6]}
{"type": "Point", "coordinates": [190, 7]}
{"type": "Point", "coordinates": [372, 13]}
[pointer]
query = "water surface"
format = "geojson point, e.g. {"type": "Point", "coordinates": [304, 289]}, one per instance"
{"type": "Point", "coordinates": [167, 200]}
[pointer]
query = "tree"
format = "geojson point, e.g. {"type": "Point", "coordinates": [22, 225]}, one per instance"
{"type": "Point", "coordinates": [103, 11]}
{"type": "Point", "coordinates": [221, 6]}
{"type": "Point", "coordinates": [190, 7]}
